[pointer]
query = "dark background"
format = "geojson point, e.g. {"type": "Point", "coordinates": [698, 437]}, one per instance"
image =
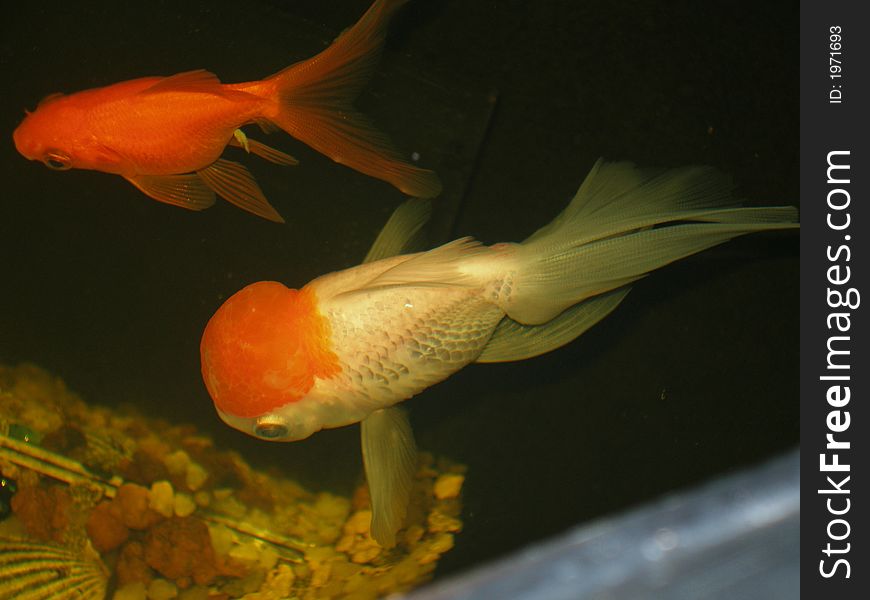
{"type": "Point", "coordinates": [695, 375]}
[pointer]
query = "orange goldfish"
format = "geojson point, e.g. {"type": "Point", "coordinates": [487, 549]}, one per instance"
{"type": "Point", "coordinates": [281, 364]}
{"type": "Point", "coordinates": [165, 135]}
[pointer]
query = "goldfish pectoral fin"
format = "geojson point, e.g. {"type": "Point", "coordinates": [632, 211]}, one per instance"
{"type": "Point", "coordinates": [187, 191]}
{"type": "Point", "coordinates": [402, 233]}
{"type": "Point", "coordinates": [390, 459]}
{"type": "Point", "coordinates": [240, 139]}
{"type": "Point", "coordinates": [514, 341]}
{"type": "Point", "coordinates": [233, 182]}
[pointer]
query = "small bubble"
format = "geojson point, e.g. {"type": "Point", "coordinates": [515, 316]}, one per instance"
{"type": "Point", "coordinates": [666, 539]}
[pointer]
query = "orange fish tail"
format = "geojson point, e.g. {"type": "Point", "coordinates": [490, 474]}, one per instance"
{"type": "Point", "coordinates": [315, 105]}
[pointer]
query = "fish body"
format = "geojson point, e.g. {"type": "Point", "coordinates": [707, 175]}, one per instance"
{"type": "Point", "coordinates": [281, 364]}
{"type": "Point", "coordinates": [166, 134]}
{"type": "Point", "coordinates": [382, 342]}
{"type": "Point", "coordinates": [152, 125]}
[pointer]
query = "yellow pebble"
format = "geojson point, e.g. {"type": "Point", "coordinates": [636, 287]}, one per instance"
{"type": "Point", "coordinates": [183, 505]}
{"type": "Point", "coordinates": [448, 485]}
{"type": "Point", "coordinates": [221, 539]}
{"type": "Point", "coordinates": [346, 543]}
{"type": "Point", "coordinates": [320, 574]}
{"type": "Point", "coordinates": [359, 522]}
{"type": "Point", "coordinates": [161, 498]}
{"type": "Point", "coordinates": [436, 548]}
{"type": "Point", "coordinates": [202, 498]}
{"type": "Point", "coordinates": [222, 493]}
{"type": "Point", "coordinates": [332, 507]}
{"type": "Point", "coordinates": [319, 555]}
{"type": "Point", "coordinates": [194, 593]}
{"type": "Point", "coordinates": [280, 581]}
{"type": "Point", "coordinates": [160, 589]}
{"type": "Point", "coordinates": [413, 534]}
{"type": "Point", "coordinates": [195, 476]}
{"type": "Point", "coordinates": [132, 591]}
{"type": "Point", "coordinates": [248, 553]}
{"type": "Point", "coordinates": [176, 462]}
{"type": "Point", "coordinates": [268, 558]}
{"type": "Point", "coordinates": [366, 554]}
{"type": "Point", "coordinates": [439, 522]}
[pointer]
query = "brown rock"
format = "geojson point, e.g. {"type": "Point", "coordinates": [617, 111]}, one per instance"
{"type": "Point", "coordinates": [180, 549]}
{"type": "Point", "coordinates": [132, 566]}
{"type": "Point", "coordinates": [146, 465]}
{"type": "Point", "coordinates": [133, 505]}
{"type": "Point", "coordinates": [64, 440]}
{"type": "Point", "coordinates": [105, 527]}
{"type": "Point", "coordinates": [44, 510]}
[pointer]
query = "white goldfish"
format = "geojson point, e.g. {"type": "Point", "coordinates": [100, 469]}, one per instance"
{"type": "Point", "coordinates": [281, 364]}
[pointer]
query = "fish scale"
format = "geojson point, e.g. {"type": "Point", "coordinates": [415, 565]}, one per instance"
{"type": "Point", "coordinates": [393, 350]}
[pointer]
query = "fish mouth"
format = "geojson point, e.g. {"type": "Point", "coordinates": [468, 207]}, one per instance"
{"type": "Point", "coordinates": [24, 143]}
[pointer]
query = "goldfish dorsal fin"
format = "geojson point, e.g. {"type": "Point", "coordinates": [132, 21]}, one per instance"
{"type": "Point", "coordinates": [403, 232]}
{"type": "Point", "coordinates": [48, 99]}
{"type": "Point", "coordinates": [186, 191]}
{"type": "Point", "coordinates": [199, 80]}
{"type": "Point", "coordinates": [439, 266]}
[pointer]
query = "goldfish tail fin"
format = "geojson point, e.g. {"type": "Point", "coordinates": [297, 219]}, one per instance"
{"type": "Point", "coordinates": [623, 223]}
{"type": "Point", "coordinates": [315, 105]}
{"type": "Point", "coordinates": [390, 459]}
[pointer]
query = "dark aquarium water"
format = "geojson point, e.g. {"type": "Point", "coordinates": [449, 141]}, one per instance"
{"type": "Point", "coordinates": [511, 102]}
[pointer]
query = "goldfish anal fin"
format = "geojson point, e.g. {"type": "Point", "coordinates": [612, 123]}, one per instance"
{"type": "Point", "coordinates": [199, 80]}
{"type": "Point", "coordinates": [514, 341]}
{"type": "Point", "coordinates": [403, 232]}
{"type": "Point", "coordinates": [234, 183]}
{"type": "Point", "coordinates": [271, 154]}
{"type": "Point", "coordinates": [266, 126]}
{"type": "Point", "coordinates": [267, 152]}
{"type": "Point", "coordinates": [187, 191]}
{"type": "Point", "coordinates": [347, 137]}
{"type": "Point", "coordinates": [390, 459]}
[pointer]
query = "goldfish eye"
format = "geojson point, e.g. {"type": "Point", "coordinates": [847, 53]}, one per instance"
{"type": "Point", "coordinates": [271, 430]}
{"type": "Point", "coordinates": [57, 161]}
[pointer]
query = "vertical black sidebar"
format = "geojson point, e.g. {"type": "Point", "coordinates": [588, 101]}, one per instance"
{"type": "Point", "coordinates": [835, 363]}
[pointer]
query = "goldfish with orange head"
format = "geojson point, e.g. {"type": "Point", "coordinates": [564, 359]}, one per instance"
{"type": "Point", "coordinates": [281, 364]}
